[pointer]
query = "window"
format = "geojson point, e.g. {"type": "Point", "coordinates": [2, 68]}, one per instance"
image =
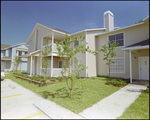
{"type": "Point", "coordinates": [118, 38]}
{"type": "Point", "coordinates": [61, 64]}
{"type": "Point", "coordinates": [76, 43]}
{"type": "Point", "coordinates": [118, 66]}
{"type": "Point", "coordinates": [26, 52]}
{"type": "Point", "coordinates": [20, 53]}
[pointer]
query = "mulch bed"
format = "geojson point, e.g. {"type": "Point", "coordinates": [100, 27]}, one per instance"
{"type": "Point", "coordinates": [36, 82]}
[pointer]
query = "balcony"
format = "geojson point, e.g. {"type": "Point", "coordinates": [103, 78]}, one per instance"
{"type": "Point", "coordinates": [54, 46]}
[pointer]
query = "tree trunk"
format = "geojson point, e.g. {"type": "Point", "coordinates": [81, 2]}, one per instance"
{"type": "Point", "coordinates": [109, 72]}
{"type": "Point", "coordinates": [70, 93]}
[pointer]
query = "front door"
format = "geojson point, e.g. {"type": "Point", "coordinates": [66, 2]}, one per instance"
{"type": "Point", "coordinates": [144, 68]}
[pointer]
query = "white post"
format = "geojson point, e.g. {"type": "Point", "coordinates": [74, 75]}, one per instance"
{"type": "Point", "coordinates": [130, 57]}
{"type": "Point", "coordinates": [52, 55]}
{"type": "Point", "coordinates": [41, 58]}
{"type": "Point", "coordinates": [31, 66]}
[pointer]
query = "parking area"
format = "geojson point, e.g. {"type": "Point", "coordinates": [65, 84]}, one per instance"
{"type": "Point", "coordinates": [17, 102]}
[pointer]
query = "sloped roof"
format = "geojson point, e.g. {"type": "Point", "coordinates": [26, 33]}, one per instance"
{"type": "Point", "coordinates": [9, 46]}
{"type": "Point", "coordinates": [4, 46]}
{"type": "Point", "coordinates": [142, 43]}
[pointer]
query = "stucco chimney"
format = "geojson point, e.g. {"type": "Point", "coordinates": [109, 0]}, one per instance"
{"type": "Point", "coordinates": [108, 21]}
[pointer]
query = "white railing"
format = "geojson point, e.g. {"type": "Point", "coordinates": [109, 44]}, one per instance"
{"type": "Point", "coordinates": [48, 72]}
{"type": "Point", "coordinates": [54, 47]}
{"type": "Point", "coordinates": [55, 72]}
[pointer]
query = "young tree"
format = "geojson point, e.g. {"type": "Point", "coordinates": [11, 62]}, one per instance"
{"type": "Point", "coordinates": [45, 64]}
{"type": "Point", "coordinates": [109, 53]}
{"type": "Point", "coordinates": [16, 62]}
{"type": "Point", "coordinates": [68, 53]}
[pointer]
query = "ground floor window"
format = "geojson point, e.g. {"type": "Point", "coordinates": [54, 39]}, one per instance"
{"type": "Point", "coordinates": [118, 66]}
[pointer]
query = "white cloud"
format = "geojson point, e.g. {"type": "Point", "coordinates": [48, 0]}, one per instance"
{"type": "Point", "coordinates": [90, 24]}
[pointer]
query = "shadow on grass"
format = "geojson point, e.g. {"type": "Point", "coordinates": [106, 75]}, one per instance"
{"type": "Point", "coordinates": [61, 93]}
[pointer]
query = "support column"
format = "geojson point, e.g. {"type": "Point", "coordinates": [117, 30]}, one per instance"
{"type": "Point", "coordinates": [40, 57]}
{"type": "Point", "coordinates": [52, 55]}
{"type": "Point", "coordinates": [130, 57]}
{"type": "Point", "coordinates": [31, 66]}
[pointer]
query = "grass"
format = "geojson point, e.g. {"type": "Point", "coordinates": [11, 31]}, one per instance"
{"type": "Point", "coordinates": [139, 109]}
{"type": "Point", "coordinates": [94, 91]}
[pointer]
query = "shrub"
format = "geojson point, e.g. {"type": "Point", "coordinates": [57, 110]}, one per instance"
{"type": "Point", "coordinates": [147, 85]}
{"type": "Point", "coordinates": [117, 83]}
{"type": "Point", "coordinates": [60, 78]}
{"type": "Point", "coordinates": [53, 79]}
{"type": "Point", "coordinates": [24, 72]}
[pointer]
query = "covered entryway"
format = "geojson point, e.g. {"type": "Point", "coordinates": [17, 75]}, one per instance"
{"type": "Point", "coordinates": [141, 49]}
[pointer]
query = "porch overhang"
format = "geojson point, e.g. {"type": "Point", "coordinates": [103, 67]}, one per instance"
{"type": "Point", "coordinates": [136, 48]}
{"type": "Point", "coordinates": [35, 53]}
{"type": "Point", "coordinates": [6, 58]}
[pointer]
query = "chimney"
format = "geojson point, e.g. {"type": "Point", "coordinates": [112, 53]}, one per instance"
{"type": "Point", "coordinates": [108, 21]}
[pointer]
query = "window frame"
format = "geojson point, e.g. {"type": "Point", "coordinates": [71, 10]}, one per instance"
{"type": "Point", "coordinates": [115, 39]}
{"type": "Point", "coordinates": [116, 65]}
{"type": "Point", "coordinates": [76, 42]}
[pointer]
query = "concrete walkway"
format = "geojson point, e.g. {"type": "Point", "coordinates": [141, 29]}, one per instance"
{"type": "Point", "coordinates": [114, 105]}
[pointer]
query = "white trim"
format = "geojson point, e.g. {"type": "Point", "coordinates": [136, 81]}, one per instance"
{"type": "Point", "coordinates": [130, 59]}
{"type": "Point", "coordinates": [115, 34]}
{"type": "Point", "coordinates": [120, 29]}
{"type": "Point", "coordinates": [139, 58]}
{"type": "Point", "coordinates": [86, 54]}
{"type": "Point", "coordinates": [34, 52]}
{"type": "Point", "coordinates": [52, 55]}
{"type": "Point", "coordinates": [14, 46]}
{"type": "Point", "coordinates": [22, 49]}
{"type": "Point", "coordinates": [109, 13]}
{"type": "Point", "coordinates": [146, 18]}
{"type": "Point", "coordinates": [137, 47]}
{"type": "Point", "coordinates": [86, 30]}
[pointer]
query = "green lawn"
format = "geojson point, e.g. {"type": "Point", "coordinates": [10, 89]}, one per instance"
{"type": "Point", "coordinates": [95, 91]}
{"type": "Point", "coordinates": [139, 109]}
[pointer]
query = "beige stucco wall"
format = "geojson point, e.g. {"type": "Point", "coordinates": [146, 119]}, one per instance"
{"type": "Point", "coordinates": [91, 59]}
{"type": "Point", "coordinates": [131, 35]}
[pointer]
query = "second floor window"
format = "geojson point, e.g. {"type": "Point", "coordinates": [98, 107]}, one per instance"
{"type": "Point", "coordinates": [118, 38]}
{"type": "Point", "coordinates": [20, 53]}
{"type": "Point", "coordinates": [76, 43]}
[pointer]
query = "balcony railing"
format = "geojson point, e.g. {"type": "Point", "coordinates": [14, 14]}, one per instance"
{"type": "Point", "coordinates": [54, 48]}
{"type": "Point", "coordinates": [55, 72]}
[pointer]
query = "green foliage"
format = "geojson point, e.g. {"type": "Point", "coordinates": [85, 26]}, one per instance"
{"type": "Point", "coordinates": [17, 60]}
{"type": "Point", "coordinates": [109, 53]}
{"type": "Point", "coordinates": [24, 72]}
{"type": "Point", "coordinates": [53, 78]}
{"type": "Point", "coordinates": [147, 85]}
{"type": "Point", "coordinates": [45, 63]}
{"type": "Point", "coordinates": [116, 82]}
{"type": "Point", "coordinates": [68, 53]}
{"type": "Point", "coordinates": [59, 78]}
{"type": "Point", "coordinates": [139, 21]}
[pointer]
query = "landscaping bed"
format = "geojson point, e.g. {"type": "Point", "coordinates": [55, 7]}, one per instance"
{"type": "Point", "coordinates": [38, 79]}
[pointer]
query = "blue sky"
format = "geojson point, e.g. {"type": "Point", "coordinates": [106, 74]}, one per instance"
{"type": "Point", "coordinates": [18, 18]}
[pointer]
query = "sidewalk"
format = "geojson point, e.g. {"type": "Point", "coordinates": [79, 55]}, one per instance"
{"type": "Point", "coordinates": [114, 105]}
